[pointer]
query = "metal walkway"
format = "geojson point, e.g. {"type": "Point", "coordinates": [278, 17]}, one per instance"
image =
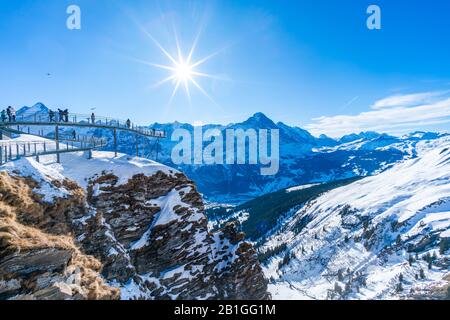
{"type": "Point", "coordinates": [81, 120]}
{"type": "Point", "coordinates": [14, 150]}
{"type": "Point", "coordinates": [72, 145]}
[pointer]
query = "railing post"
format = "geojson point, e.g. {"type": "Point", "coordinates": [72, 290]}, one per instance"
{"type": "Point", "coordinates": [137, 146]}
{"type": "Point", "coordinates": [58, 158]}
{"type": "Point", "coordinates": [10, 152]}
{"type": "Point", "coordinates": [115, 142]}
{"type": "Point", "coordinates": [17, 151]}
{"type": "Point", "coordinates": [1, 155]}
{"type": "Point", "coordinates": [37, 158]}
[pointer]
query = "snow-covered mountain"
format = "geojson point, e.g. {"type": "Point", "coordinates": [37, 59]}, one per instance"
{"type": "Point", "coordinates": [303, 157]}
{"type": "Point", "coordinates": [381, 237]}
{"type": "Point", "coordinates": [108, 228]}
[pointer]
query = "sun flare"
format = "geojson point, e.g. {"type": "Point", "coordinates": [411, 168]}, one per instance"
{"type": "Point", "coordinates": [183, 71]}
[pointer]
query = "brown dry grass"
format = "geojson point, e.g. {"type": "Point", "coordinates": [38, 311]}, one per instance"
{"type": "Point", "coordinates": [25, 223]}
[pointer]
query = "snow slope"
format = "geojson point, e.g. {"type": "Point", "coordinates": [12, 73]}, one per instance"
{"type": "Point", "coordinates": [370, 239]}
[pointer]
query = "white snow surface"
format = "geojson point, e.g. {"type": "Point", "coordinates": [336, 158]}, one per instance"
{"type": "Point", "coordinates": [408, 202]}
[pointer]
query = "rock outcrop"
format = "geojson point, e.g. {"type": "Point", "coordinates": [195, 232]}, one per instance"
{"type": "Point", "coordinates": [141, 230]}
{"type": "Point", "coordinates": [43, 262]}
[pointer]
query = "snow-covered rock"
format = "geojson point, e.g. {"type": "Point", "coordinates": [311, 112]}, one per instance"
{"type": "Point", "coordinates": [144, 222]}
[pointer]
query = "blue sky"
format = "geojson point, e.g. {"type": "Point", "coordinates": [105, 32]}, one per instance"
{"type": "Point", "coordinates": [308, 63]}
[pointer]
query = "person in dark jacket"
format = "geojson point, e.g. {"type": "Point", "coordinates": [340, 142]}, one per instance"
{"type": "Point", "coordinates": [66, 115]}
{"type": "Point", "coordinates": [8, 112]}
{"type": "Point", "coordinates": [3, 116]}
{"type": "Point", "coordinates": [128, 123]}
{"type": "Point", "coordinates": [93, 118]}
{"type": "Point", "coordinates": [51, 115]}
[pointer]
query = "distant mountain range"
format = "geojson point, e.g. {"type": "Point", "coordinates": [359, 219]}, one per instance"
{"type": "Point", "coordinates": [304, 158]}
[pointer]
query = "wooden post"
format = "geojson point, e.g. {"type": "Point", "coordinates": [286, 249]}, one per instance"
{"type": "Point", "coordinates": [10, 152]}
{"type": "Point", "coordinates": [1, 155]}
{"type": "Point", "coordinates": [17, 151]}
{"type": "Point", "coordinates": [115, 142]}
{"type": "Point", "coordinates": [58, 158]}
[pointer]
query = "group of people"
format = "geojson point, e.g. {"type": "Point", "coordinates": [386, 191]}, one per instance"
{"type": "Point", "coordinates": [63, 115]}
{"type": "Point", "coordinates": [8, 114]}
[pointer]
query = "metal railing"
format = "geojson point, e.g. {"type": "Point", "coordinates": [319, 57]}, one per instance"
{"type": "Point", "coordinates": [14, 150]}
{"type": "Point", "coordinates": [77, 119]}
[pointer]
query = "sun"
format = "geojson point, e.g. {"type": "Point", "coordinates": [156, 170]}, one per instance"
{"type": "Point", "coordinates": [183, 72]}
{"type": "Point", "coordinates": [182, 69]}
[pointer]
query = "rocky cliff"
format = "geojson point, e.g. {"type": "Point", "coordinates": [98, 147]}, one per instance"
{"type": "Point", "coordinates": [112, 228]}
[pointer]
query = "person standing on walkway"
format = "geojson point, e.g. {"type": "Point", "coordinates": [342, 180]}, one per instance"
{"type": "Point", "coordinates": [8, 112]}
{"type": "Point", "coordinates": [66, 115]}
{"type": "Point", "coordinates": [93, 118]}
{"type": "Point", "coordinates": [128, 123]}
{"type": "Point", "coordinates": [60, 115]}
{"type": "Point", "coordinates": [13, 114]}
{"type": "Point", "coordinates": [51, 115]}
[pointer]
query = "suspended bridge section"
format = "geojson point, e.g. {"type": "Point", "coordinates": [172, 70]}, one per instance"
{"type": "Point", "coordinates": [63, 143]}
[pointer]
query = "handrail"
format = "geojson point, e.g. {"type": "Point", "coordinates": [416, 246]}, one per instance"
{"type": "Point", "coordinates": [14, 150]}
{"type": "Point", "coordinates": [83, 140]}
{"type": "Point", "coordinates": [80, 120]}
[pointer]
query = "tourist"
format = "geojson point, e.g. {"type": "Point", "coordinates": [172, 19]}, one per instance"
{"type": "Point", "coordinates": [51, 115]}
{"type": "Point", "coordinates": [13, 114]}
{"type": "Point", "coordinates": [8, 112]}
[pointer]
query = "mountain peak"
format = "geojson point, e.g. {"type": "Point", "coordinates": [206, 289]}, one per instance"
{"type": "Point", "coordinates": [260, 120]}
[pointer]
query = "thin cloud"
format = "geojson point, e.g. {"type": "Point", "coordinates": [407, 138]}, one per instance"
{"type": "Point", "coordinates": [407, 100]}
{"type": "Point", "coordinates": [396, 115]}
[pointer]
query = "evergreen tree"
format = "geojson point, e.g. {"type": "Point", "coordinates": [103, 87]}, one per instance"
{"type": "Point", "coordinates": [443, 246]}
{"type": "Point", "coordinates": [337, 288]}
{"type": "Point", "coordinates": [347, 287]}
{"type": "Point", "coordinates": [366, 224]}
{"type": "Point", "coordinates": [422, 274]}
{"type": "Point", "coordinates": [340, 275]}
{"type": "Point", "coordinates": [434, 257]}
{"type": "Point", "coordinates": [410, 260]}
